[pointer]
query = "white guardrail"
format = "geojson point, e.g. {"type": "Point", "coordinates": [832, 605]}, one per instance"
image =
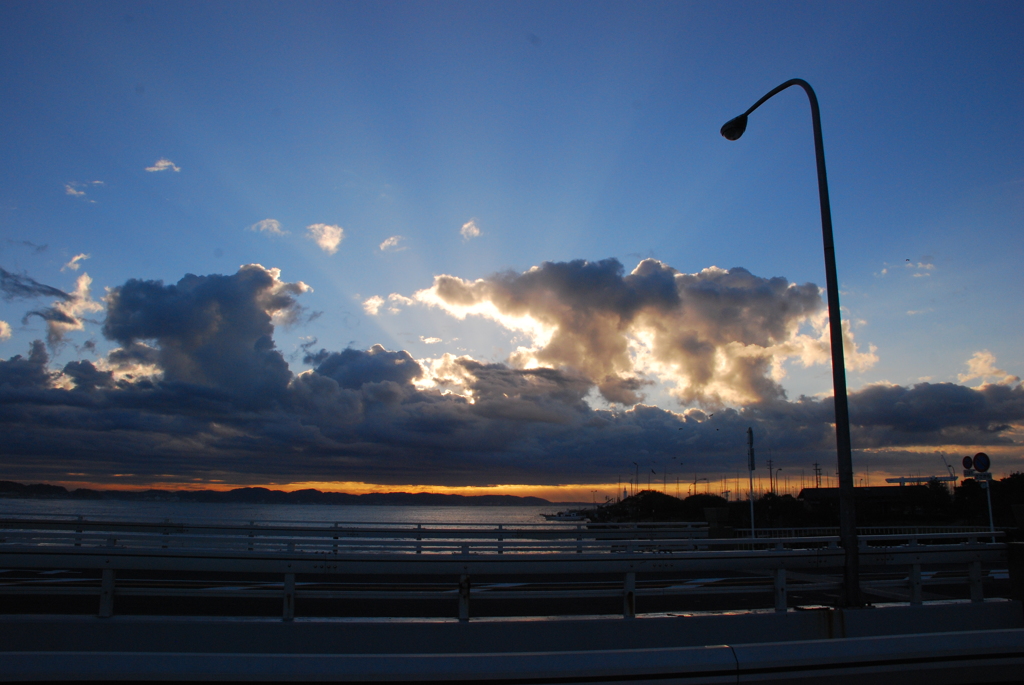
{"type": "Point", "coordinates": [576, 560]}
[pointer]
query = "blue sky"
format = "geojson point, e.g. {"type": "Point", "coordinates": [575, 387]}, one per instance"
{"type": "Point", "coordinates": [488, 137]}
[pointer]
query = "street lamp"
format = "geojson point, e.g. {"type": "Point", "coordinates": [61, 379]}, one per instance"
{"type": "Point", "coordinates": [732, 130]}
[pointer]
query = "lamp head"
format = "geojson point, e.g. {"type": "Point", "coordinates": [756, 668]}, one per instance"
{"type": "Point", "coordinates": [734, 128]}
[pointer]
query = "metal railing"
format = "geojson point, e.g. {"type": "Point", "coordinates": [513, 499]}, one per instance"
{"type": "Point", "coordinates": [576, 561]}
{"type": "Point", "coordinates": [865, 530]}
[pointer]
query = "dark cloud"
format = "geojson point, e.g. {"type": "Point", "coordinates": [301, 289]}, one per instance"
{"type": "Point", "coordinates": [86, 376]}
{"type": "Point", "coordinates": [18, 372]}
{"type": "Point", "coordinates": [21, 286]}
{"type": "Point", "coordinates": [133, 355]}
{"type": "Point", "coordinates": [354, 368]}
{"type": "Point", "coordinates": [25, 243]}
{"type": "Point", "coordinates": [198, 389]}
{"type": "Point", "coordinates": [50, 315]}
{"type": "Point", "coordinates": [210, 330]}
{"type": "Point", "coordinates": [88, 347]}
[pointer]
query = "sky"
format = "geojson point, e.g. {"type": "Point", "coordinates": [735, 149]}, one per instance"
{"type": "Point", "coordinates": [501, 247]}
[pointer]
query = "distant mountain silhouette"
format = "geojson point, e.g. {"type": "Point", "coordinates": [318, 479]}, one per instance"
{"type": "Point", "coordinates": [264, 496]}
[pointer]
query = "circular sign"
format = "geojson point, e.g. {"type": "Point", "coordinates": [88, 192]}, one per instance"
{"type": "Point", "coordinates": [981, 462]}
{"type": "Point", "coordinates": [968, 463]}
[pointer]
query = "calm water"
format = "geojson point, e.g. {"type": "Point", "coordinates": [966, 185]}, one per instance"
{"type": "Point", "coordinates": [299, 513]}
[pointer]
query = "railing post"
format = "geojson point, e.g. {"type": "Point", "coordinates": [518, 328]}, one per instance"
{"type": "Point", "coordinates": [629, 596]}
{"type": "Point", "coordinates": [289, 597]}
{"type": "Point", "coordinates": [974, 574]}
{"type": "Point", "coordinates": [107, 593]}
{"type": "Point", "coordinates": [335, 539]}
{"type": "Point", "coordinates": [780, 590]}
{"type": "Point", "coordinates": [78, 538]}
{"type": "Point", "coordinates": [579, 539]}
{"type": "Point", "coordinates": [251, 534]}
{"type": "Point", "coordinates": [419, 539]}
{"type": "Point", "coordinates": [501, 538]}
{"type": "Point", "coordinates": [915, 584]}
{"type": "Point", "coordinates": [464, 597]}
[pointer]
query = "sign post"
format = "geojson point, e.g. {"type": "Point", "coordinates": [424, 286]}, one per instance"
{"type": "Point", "coordinates": [750, 469]}
{"type": "Point", "coordinates": [977, 468]}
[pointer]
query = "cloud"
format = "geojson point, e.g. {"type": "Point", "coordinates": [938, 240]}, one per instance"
{"type": "Point", "coordinates": [394, 301]}
{"type": "Point", "coordinates": [271, 226]}
{"type": "Point", "coordinates": [66, 314]}
{"type": "Point", "coordinates": [211, 331]}
{"type": "Point", "coordinates": [85, 377]}
{"type": "Point", "coordinates": [5, 331]}
{"type": "Point", "coordinates": [28, 244]}
{"type": "Point", "coordinates": [328, 237]}
{"type": "Point", "coordinates": [718, 336]}
{"type": "Point", "coordinates": [15, 286]}
{"type": "Point", "coordinates": [163, 164]}
{"type": "Point", "coordinates": [380, 416]}
{"type": "Point", "coordinates": [982, 366]}
{"type": "Point", "coordinates": [373, 304]}
{"type": "Point", "coordinates": [392, 244]}
{"type": "Point", "coordinates": [429, 341]}
{"type": "Point", "coordinates": [75, 189]}
{"type": "Point", "coordinates": [469, 230]}
{"type": "Point", "coordinates": [197, 387]}
{"type": "Point", "coordinates": [74, 263]}
{"type": "Point", "coordinates": [18, 372]}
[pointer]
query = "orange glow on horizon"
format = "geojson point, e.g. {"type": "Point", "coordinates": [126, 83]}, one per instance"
{"type": "Point", "coordinates": [592, 492]}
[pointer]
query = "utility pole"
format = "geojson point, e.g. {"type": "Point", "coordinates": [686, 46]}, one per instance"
{"type": "Point", "coordinates": [817, 475]}
{"type": "Point", "coordinates": [771, 479]}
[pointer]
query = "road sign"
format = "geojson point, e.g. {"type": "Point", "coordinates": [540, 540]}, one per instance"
{"type": "Point", "coordinates": [968, 463]}
{"type": "Point", "coordinates": [981, 462]}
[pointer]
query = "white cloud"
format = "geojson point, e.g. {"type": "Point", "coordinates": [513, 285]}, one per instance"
{"type": "Point", "coordinates": [76, 189]}
{"type": "Point", "coordinates": [429, 341]}
{"type": "Point", "coordinates": [391, 244]}
{"type": "Point", "coordinates": [163, 164]}
{"type": "Point", "coordinates": [74, 263]}
{"type": "Point", "coordinates": [64, 316]}
{"type": "Point", "coordinates": [394, 301]}
{"type": "Point", "coordinates": [921, 268]}
{"type": "Point", "coordinates": [372, 305]}
{"type": "Point", "coordinates": [982, 366]}
{"type": "Point", "coordinates": [470, 230]}
{"type": "Point", "coordinates": [271, 226]}
{"type": "Point", "coordinates": [328, 237]}
{"type": "Point", "coordinates": [397, 301]}
{"type": "Point", "coordinates": [5, 330]}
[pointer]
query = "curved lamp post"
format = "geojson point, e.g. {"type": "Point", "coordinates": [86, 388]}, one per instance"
{"type": "Point", "coordinates": [732, 130]}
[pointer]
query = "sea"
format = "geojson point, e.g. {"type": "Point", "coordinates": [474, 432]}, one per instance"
{"type": "Point", "coordinates": [185, 512]}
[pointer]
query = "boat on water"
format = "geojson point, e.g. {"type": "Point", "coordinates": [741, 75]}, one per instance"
{"type": "Point", "coordinates": [567, 515]}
